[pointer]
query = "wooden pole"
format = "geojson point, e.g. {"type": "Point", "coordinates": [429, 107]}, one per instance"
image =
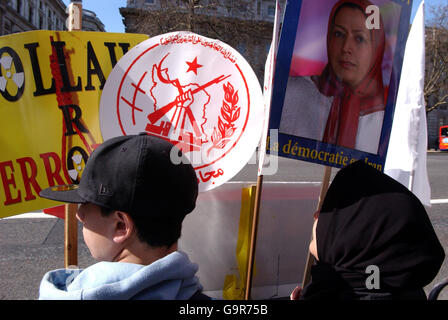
{"type": "Point", "coordinates": [253, 239]}
{"type": "Point", "coordinates": [71, 236]}
{"type": "Point", "coordinates": [310, 257]}
{"type": "Point", "coordinates": [70, 221]}
{"type": "Point", "coordinates": [74, 20]}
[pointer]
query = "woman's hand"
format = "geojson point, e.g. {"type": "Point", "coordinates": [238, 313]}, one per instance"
{"type": "Point", "coordinates": [295, 294]}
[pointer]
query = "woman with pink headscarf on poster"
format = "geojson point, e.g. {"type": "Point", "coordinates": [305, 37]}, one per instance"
{"type": "Point", "coordinates": [345, 104]}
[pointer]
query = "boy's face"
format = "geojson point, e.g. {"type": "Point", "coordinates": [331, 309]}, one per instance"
{"type": "Point", "coordinates": [98, 232]}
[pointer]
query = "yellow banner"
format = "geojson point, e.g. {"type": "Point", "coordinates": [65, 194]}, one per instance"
{"type": "Point", "coordinates": [50, 88]}
{"type": "Point", "coordinates": [235, 285]}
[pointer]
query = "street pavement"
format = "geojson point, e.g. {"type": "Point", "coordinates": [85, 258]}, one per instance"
{"type": "Point", "coordinates": [31, 246]}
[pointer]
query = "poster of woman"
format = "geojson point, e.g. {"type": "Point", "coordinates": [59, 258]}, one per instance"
{"type": "Point", "coordinates": [336, 80]}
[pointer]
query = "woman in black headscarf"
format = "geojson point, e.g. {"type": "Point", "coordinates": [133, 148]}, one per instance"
{"type": "Point", "coordinates": [369, 219]}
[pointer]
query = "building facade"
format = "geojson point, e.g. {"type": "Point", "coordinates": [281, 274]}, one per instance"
{"type": "Point", "coordinates": [90, 21]}
{"type": "Point", "coordinates": [246, 25]}
{"type": "Point", "coordinates": [244, 9]}
{"type": "Point", "coordinates": [26, 15]}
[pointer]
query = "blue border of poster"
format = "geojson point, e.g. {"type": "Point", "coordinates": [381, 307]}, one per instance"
{"type": "Point", "coordinates": [305, 149]}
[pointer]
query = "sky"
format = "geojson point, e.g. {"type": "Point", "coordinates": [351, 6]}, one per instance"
{"type": "Point", "coordinates": [107, 11]}
{"type": "Point", "coordinates": [109, 14]}
{"type": "Point", "coordinates": [416, 3]}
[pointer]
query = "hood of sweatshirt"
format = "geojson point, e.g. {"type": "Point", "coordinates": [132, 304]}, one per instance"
{"type": "Point", "coordinates": [170, 278]}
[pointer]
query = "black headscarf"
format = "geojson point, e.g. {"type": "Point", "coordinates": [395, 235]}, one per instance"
{"type": "Point", "coordinates": [368, 218]}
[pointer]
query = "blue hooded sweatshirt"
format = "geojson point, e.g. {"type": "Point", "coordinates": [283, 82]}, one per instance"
{"type": "Point", "coordinates": [172, 277]}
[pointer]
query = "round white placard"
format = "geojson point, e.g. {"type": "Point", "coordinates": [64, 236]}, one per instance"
{"type": "Point", "coordinates": [198, 93]}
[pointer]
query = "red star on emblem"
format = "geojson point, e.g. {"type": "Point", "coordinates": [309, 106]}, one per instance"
{"type": "Point", "coordinates": [194, 66]}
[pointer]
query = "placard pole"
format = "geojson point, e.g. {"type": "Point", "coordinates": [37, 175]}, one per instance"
{"type": "Point", "coordinates": [74, 23]}
{"type": "Point", "coordinates": [253, 239]}
{"type": "Point", "coordinates": [71, 236]}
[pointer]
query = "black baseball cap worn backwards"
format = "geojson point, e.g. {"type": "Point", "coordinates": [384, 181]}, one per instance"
{"type": "Point", "coordinates": [134, 174]}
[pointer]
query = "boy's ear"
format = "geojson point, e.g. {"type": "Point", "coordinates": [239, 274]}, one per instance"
{"type": "Point", "coordinates": [124, 226]}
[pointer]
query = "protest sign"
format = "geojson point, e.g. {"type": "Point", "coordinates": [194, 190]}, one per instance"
{"type": "Point", "coordinates": [50, 87]}
{"type": "Point", "coordinates": [198, 93]}
{"type": "Point", "coordinates": [336, 80]}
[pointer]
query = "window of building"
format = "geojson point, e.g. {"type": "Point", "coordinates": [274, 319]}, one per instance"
{"type": "Point", "coordinates": [19, 6]}
{"type": "Point", "coordinates": [267, 47]}
{"type": "Point", "coordinates": [241, 48]}
{"type": "Point", "coordinates": [50, 20]}
{"type": "Point", "coordinates": [149, 1]}
{"type": "Point", "coordinates": [7, 28]}
{"type": "Point", "coordinates": [15, 28]}
{"type": "Point", "coordinates": [41, 22]}
{"type": "Point", "coordinates": [30, 14]}
{"type": "Point", "coordinates": [271, 11]}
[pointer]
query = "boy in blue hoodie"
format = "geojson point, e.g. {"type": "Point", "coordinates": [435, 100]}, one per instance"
{"type": "Point", "coordinates": [133, 198]}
